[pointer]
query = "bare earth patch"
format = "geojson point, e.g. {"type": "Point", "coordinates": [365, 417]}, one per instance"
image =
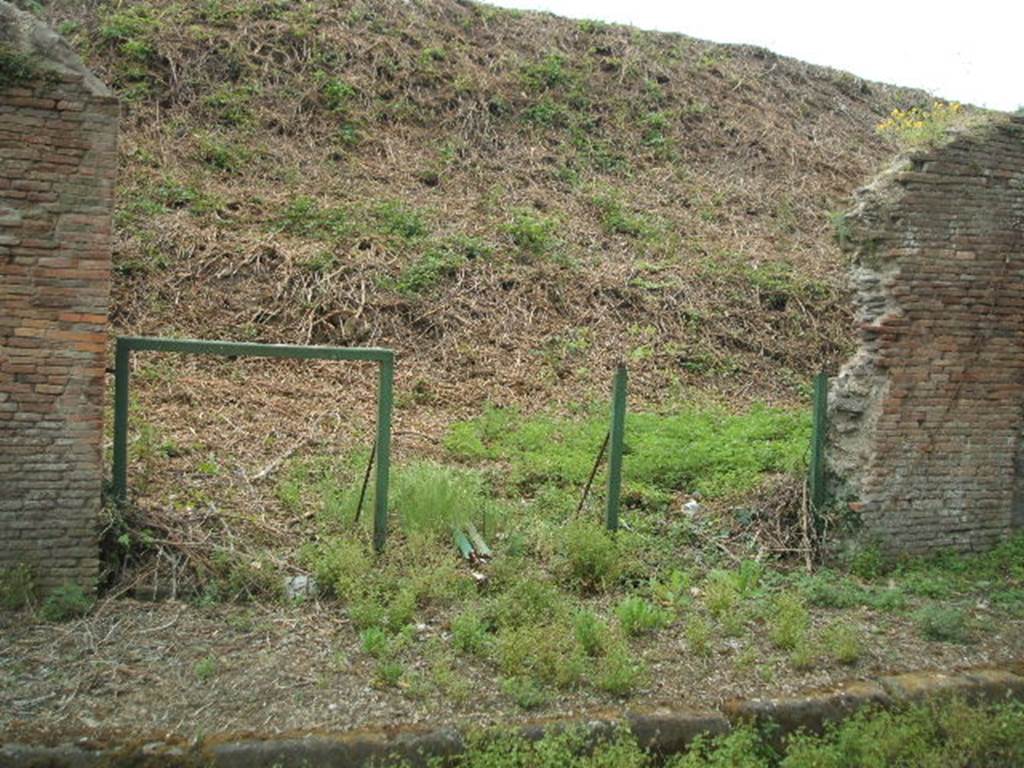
{"type": "Point", "coordinates": [140, 670]}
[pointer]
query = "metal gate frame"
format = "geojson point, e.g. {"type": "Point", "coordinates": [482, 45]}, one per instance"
{"type": "Point", "coordinates": [385, 358]}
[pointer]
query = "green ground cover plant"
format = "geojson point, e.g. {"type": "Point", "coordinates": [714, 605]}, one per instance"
{"type": "Point", "coordinates": [951, 734]}
{"type": "Point", "coordinates": [709, 451]}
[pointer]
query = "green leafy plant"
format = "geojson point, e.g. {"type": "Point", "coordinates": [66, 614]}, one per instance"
{"type": "Point", "coordinates": [590, 558]}
{"type": "Point", "coordinates": [788, 621]}
{"type": "Point", "coordinates": [470, 633]}
{"type": "Point", "coordinates": [843, 643]}
{"type": "Point", "coordinates": [619, 673]}
{"type": "Point", "coordinates": [592, 633]}
{"type": "Point", "coordinates": [698, 635]}
{"type": "Point", "coordinates": [534, 235]}
{"type": "Point", "coordinates": [525, 692]}
{"type": "Point", "coordinates": [17, 587]}
{"type": "Point", "coordinates": [637, 616]}
{"type": "Point", "coordinates": [944, 624]}
{"type": "Point", "coordinates": [68, 601]}
{"type": "Point", "coordinates": [399, 219]}
{"type": "Point", "coordinates": [206, 668]}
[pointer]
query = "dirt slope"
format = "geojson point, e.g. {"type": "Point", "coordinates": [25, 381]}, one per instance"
{"type": "Point", "coordinates": [510, 200]}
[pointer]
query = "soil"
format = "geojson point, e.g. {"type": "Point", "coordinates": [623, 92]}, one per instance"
{"type": "Point", "coordinates": [129, 672]}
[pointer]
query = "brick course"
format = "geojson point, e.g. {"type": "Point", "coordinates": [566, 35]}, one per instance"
{"type": "Point", "coordinates": [58, 163]}
{"type": "Point", "coordinates": [927, 418]}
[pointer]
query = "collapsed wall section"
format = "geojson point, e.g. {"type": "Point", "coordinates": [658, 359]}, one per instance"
{"type": "Point", "coordinates": [58, 162]}
{"type": "Point", "coordinates": [926, 419]}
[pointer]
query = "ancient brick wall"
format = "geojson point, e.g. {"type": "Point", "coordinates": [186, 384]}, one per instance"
{"type": "Point", "coordinates": [927, 418]}
{"type": "Point", "coordinates": [58, 133]}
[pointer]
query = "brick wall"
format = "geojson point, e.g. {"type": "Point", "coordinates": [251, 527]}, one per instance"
{"type": "Point", "coordinates": [58, 133]}
{"type": "Point", "coordinates": [927, 418]}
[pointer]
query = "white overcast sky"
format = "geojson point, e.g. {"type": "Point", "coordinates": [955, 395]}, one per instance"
{"type": "Point", "coordinates": [969, 51]}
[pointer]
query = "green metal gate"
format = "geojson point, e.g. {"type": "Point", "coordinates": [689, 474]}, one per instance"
{"type": "Point", "coordinates": [385, 358]}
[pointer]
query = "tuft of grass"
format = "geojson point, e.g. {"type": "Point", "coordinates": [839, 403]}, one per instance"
{"type": "Point", "coordinates": [525, 692]}
{"type": "Point", "coordinates": [942, 624]}
{"type": "Point", "coordinates": [206, 668]}
{"type": "Point", "coordinates": [432, 498]}
{"type": "Point", "coordinates": [638, 616]}
{"type": "Point", "coordinates": [549, 73]}
{"type": "Point", "coordinates": [698, 635]}
{"type": "Point", "coordinates": [440, 261]}
{"type": "Point", "coordinates": [66, 602]}
{"type": "Point", "coordinates": [592, 633]}
{"type": "Point", "coordinates": [470, 633]}
{"type": "Point", "coordinates": [543, 652]}
{"type": "Point", "coordinates": [590, 556]}
{"type": "Point", "coordinates": [788, 621]}
{"type": "Point", "coordinates": [15, 68]}
{"type": "Point", "coordinates": [534, 235]}
{"type": "Point", "coordinates": [401, 220]}
{"type": "Point", "coordinates": [619, 673]}
{"type": "Point", "coordinates": [389, 673]}
{"type": "Point", "coordinates": [616, 219]}
{"type": "Point", "coordinates": [306, 217]}
{"type": "Point", "coordinates": [221, 153]}
{"type": "Point", "coordinates": [17, 587]}
{"type": "Point", "coordinates": [843, 643]}
{"type": "Point", "coordinates": [803, 656]}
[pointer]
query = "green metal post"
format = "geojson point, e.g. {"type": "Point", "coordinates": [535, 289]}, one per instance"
{"type": "Point", "coordinates": [819, 431]}
{"type": "Point", "coordinates": [122, 352]}
{"type": "Point", "coordinates": [384, 399]}
{"type": "Point", "coordinates": [615, 446]}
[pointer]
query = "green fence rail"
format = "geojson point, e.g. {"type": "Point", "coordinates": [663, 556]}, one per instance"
{"type": "Point", "coordinates": [385, 358]}
{"type": "Point", "coordinates": [615, 446]}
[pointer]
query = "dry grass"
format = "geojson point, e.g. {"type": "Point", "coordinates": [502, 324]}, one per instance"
{"type": "Point", "coordinates": [266, 145]}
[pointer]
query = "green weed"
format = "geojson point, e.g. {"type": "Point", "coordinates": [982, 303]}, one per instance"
{"type": "Point", "coordinates": [222, 154]}
{"type": "Point", "coordinates": [616, 219]}
{"type": "Point", "coordinates": [698, 635]}
{"type": "Point", "coordinates": [68, 601]}
{"type": "Point", "coordinates": [548, 73]}
{"type": "Point", "coordinates": [534, 235]}
{"type": "Point", "coordinates": [525, 692]}
{"type": "Point", "coordinates": [590, 556]}
{"type": "Point", "coordinates": [637, 616]}
{"type": "Point", "coordinates": [306, 217]}
{"type": "Point", "coordinates": [542, 652]}
{"type": "Point", "coordinates": [15, 67]}
{"type": "Point", "coordinates": [619, 673]}
{"type": "Point", "coordinates": [470, 633]}
{"type": "Point", "coordinates": [944, 624]}
{"type": "Point", "coordinates": [843, 643]}
{"type": "Point", "coordinates": [788, 621]}
{"type": "Point", "coordinates": [400, 220]}
{"type": "Point", "coordinates": [206, 668]}
{"type": "Point", "coordinates": [592, 633]}
{"type": "Point", "coordinates": [17, 587]}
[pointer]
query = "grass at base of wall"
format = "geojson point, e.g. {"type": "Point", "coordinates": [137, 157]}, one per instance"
{"type": "Point", "coordinates": [950, 734]}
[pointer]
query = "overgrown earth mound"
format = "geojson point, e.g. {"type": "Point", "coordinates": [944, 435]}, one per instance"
{"type": "Point", "coordinates": [512, 201]}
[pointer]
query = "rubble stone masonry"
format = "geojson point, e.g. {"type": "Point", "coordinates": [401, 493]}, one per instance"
{"type": "Point", "coordinates": [58, 161]}
{"type": "Point", "coordinates": [927, 419]}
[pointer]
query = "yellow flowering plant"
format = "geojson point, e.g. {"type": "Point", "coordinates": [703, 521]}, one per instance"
{"type": "Point", "coordinates": [922, 125]}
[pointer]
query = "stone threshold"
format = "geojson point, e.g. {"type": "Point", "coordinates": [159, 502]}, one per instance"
{"type": "Point", "coordinates": [663, 731]}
